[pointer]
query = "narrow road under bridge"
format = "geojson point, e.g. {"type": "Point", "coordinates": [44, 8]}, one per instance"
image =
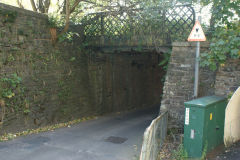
{"type": "Point", "coordinates": [112, 137]}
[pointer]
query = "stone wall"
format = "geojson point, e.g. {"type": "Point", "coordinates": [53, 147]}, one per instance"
{"type": "Point", "coordinates": [228, 78]}
{"type": "Point", "coordinates": [42, 84]}
{"type": "Point", "coordinates": [179, 83]}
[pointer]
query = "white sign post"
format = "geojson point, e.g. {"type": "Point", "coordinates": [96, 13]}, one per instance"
{"type": "Point", "coordinates": [197, 35]}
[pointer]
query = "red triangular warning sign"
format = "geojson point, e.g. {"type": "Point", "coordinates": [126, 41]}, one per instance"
{"type": "Point", "coordinates": [197, 33]}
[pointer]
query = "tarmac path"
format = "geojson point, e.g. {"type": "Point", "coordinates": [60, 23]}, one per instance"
{"type": "Point", "coordinates": [111, 137]}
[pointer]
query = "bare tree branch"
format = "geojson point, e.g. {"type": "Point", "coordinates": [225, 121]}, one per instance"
{"type": "Point", "coordinates": [20, 4]}
{"type": "Point", "coordinates": [75, 5]}
{"type": "Point", "coordinates": [33, 5]}
{"type": "Point", "coordinates": [41, 6]}
{"type": "Point", "coordinates": [67, 19]}
{"type": "Point", "coordinates": [47, 5]}
{"type": "Point", "coordinates": [91, 2]}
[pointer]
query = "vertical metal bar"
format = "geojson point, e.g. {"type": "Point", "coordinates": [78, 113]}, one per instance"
{"type": "Point", "coordinates": [196, 80]}
{"type": "Point", "coordinates": [102, 30]}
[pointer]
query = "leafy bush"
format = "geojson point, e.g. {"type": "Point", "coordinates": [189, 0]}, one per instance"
{"type": "Point", "coordinates": [55, 20]}
{"type": "Point", "coordinates": [9, 84]}
{"type": "Point", "coordinates": [225, 44]}
{"type": "Point", "coordinates": [225, 29]}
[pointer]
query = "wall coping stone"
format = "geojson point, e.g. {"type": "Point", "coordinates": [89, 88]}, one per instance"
{"type": "Point", "coordinates": [190, 44]}
{"type": "Point", "coordinates": [23, 11]}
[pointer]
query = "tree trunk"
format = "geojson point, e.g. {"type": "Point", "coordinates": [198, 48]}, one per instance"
{"type": "Point", "coordinates": [20, 4]}
{"type": "Point", "coordinates": [33, 5]}
{"type": "Point", "coordinates": [213, 18]}
{"type": "Point", "coordinates": [47, 5]}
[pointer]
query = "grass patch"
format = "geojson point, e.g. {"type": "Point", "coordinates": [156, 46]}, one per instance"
{"type": "Point", "coordinates": [180, 153]}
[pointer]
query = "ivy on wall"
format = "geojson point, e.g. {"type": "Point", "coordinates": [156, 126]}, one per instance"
{"type": "Point", "coordinates": [8, 16]}
{"type": "Point", "coordinates": [225, 44]}
{"type": "Point", "coordinates": [225, 33]}
{"type": "Point", "coordinates": [12, 95]}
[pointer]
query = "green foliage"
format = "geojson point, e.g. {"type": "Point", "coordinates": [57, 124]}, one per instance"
{"type": "Point", "coordinates": [9, 84]}
{"type": "Point", "coordinates": [10, 58]}
{"type": "Point", "coordinates": [57, 21]}
{"type": "Point", "coordinates": [8, 16]}
{"type": "Point", "coordinates": [229, 96]}
{"type": "Point", "coordinates": [20, 32]}
{"type": "Point", "coordinates": [165, 60]}
{"type": "Point", "coordinates": [12, 94]}
{"type": "Point", "coordinates": [64, 92]}
{"type": "Point", "coordinates": [149, 23]}
{"type": "Point", "coordinates": [72, 59]}
{"type": "Point", "coordinates": [54, 20]}
{"type": "Point", "coordinates": [68, 36]}
{"type": "Point", "coordinates": [160, 3]}
{"type": "Point", "coordinates": [26, 111]}
{"type": "Point", "coordinates": [225, 44]}
{"type": "Point", "coordinates": [164, 63]}
{"type": "Point", "coordinates": [204, 153]}
{"type": "Point", "coordinates": [224, 33]}
{"type": "Point", "coordinates": [223, 11]}
{"type": "Point", "coordinates": [180, 153]}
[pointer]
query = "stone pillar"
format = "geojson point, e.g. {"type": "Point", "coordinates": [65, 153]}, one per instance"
{"type": "Point", "coordinates": [179, 83]}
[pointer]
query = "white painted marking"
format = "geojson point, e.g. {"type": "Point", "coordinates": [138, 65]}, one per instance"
{"type": "Point", "coordinates": [187, 116]}
{"type": "Point", "coordinates": [192, 134]}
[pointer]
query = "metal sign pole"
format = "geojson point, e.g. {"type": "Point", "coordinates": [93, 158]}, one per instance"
{"type": "Point", "coordinates": [197, 70]}
{"type": "Point", "coordinates": [196, 80]}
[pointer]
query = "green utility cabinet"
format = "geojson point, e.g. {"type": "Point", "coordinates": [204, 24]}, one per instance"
{"type": "Point", "coordinates": [204, 124]}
